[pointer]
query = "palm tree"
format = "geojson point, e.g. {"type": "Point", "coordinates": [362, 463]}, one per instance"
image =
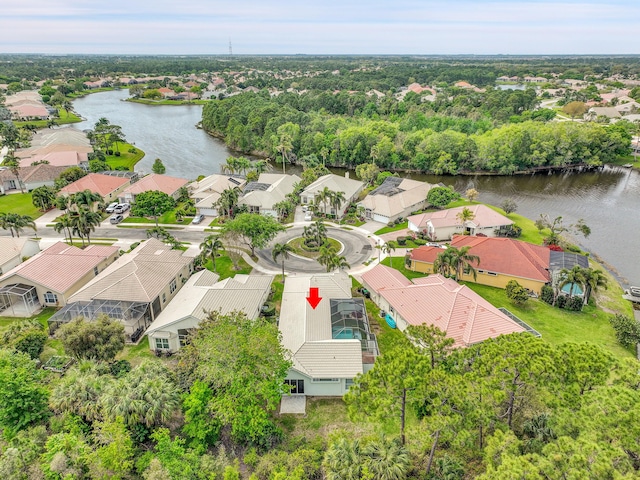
{"type": "Point", "coordinates": [231, 166]}
{"type": "Point", "coordinates": [283, 208]}
{"type": "Point", "coordinates": [65, 224]}
{"type": "Point", "coordinates": [13, 163]}
{"type": "Point", "coordinates": [330, 260]}
{"type": "Point", "coordinates": [324, 196]}
{"type": "Point", "coordinates": [243, 164]}
{"type": "Point", "coordinates": [593, 280]}
{"type": "Point", "coordinates": [43, 197]}
{"type": "Point", "coordinates": [261, 166]}
{"type": "Point", "coordinates": [87, 198]}
{"type": "Point", "coordinates": [461, 261]}
{"type": "Point", "coordinates": [572, 277]}
{"type": "Point", "coordinates": [281, 250]}
{"type": "Point", "coordinates": [343, 460]}
{"type": "Point", "coordinates": [64, 202]}
{"type": "Point", "coordinates": [387, 459]}
{"type": "Point", "coordinates": [387, 248]}
{"type": "Point", "coordinates": [228, 201]}
{"type": "Point", "coordinates": [337, 199]}
{"type": "Point", "coordinates": [465, 215]}
{"type": "Point", "coordinates": [84, 222]}
{"type": "Point", "coordinates": [442, 264]}
{"type": "Point", "coordinates": [284, 147]}
{"type": "Point", "coordinates": [15, 223]}
{"type": "Point", "coordinates": [211, 246]}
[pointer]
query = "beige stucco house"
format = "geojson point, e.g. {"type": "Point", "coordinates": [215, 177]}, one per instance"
{"type": "Point", "coordinates": [335, 183]}
{"type": "Point", "coordinates": [395, 198]}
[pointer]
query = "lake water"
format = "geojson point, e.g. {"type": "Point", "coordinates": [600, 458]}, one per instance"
{"type": "Point", "coordinates": [608, 201]}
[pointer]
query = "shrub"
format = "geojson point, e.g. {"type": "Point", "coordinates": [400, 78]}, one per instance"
{"type": "Point", "coordinates": [401, 240]}
{"type": "Point", "coordinates": [574, 304]}
{"type": "Point", "coordinates": [117, 154]}
{"type": "Point", "coordinates": [561, 301]}
{"type": "Point", "coordinates": [627, 330]}
{"type": "Point", "coordinates": [419, 241]}
{"type": "Point", "coordinates": [516, 292]}
{"type": "Point", "coordinates": [546, 294]}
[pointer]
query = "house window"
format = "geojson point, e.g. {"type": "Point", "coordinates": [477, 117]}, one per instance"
{"type": "Point", "coordinates": [95, 270]}
{"type": "Point", "coordinates": [50, 297]}
{"type": "Point", "coordinates": [492, 274]}
{"type": "Point", "coordinates": [162, 344]}
{"type": "Point", "coordinates": [348, 383]}
{"type": "Point", "coordinates": [481, 271]}
{"type": "Point", "coordinates": [297, 386]}
{"type": "Point", "coordinates": [325, 380]}
{"type": "Point", "coordinates": [172, 286]}
{"type": "Point", "coordinates": [183, 336]}
{"type": "Point", "coordinates": [164, 298]}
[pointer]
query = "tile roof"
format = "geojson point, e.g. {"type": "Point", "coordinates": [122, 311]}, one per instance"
{"type": "Point", "coordinates": [279, 186]}
{"type": "Point", "coordinates": [455, 309]}
{"type": "Point", "coordinates": [408, 193]}
{"type": "Point", "coordinates": [154, 181]}
{"type": "Point", "coordinates": [61, 266]}
{"type": "Point", "coordinates": [11, 247]}
{"type": "Point", "coordinates": [66, 159]}
{"type": "Point", "coordinates": [206, 192]}
{"type": "Point", "coordinates": [139, 276]}
{"type": "Point", "coordinates": [335, 183]}
{"type": "Point", "coordinates": [203, 293]}
{"type": "Point", "coordinates": [97, 183]}
{"type": "Point", "coordinates": [306, 332]}
{"type": "Point", "coordinates": [35, 173]}
{"type": "Point", "coordinates": [500, 255]}
{"type": "Point", "coordinates": [483, 217]}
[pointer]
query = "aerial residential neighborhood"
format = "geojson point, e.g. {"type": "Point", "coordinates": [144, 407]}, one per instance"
{"type": "Point", "coordinates": [326, 267]}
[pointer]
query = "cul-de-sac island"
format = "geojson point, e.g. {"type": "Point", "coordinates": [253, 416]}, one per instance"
{"type": "Point", "coordinates": [319, 267]}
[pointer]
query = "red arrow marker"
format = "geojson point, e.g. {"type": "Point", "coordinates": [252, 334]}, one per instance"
{"type": "Point", "coordinates": [313, 297]}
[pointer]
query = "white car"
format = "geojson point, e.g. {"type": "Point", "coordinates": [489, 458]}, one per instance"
{"type": "Point", "coordinates": [121, 208]}
{"type": "Point", "coordinates": [308, 216]}
{"type": "Point", "coordinates": [111, 207]}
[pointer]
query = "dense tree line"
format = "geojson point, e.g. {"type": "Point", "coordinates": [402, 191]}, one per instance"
{"type": "Point", "coordinates": [412, 137]}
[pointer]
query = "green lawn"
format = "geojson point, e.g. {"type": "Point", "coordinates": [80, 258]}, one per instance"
{"type": "Point", "coordinates": [299, 249]}
{"type": "Point", "coordinates": [224, 267]}
{"type": "Point", "coordinates": [136, 353]}
{"type": "Point", "coordinates": [126, 158]}
{"type": "Point", "coordinates": [395, 228]}
{"type": "Point", "coordinates": [398, 264]}
{"type": "Point", "coordinates": [20, 203]}
{"type": "Point", "coordinates": [556, 325]}
{"type": "Point", "coordinates": [65, 118]}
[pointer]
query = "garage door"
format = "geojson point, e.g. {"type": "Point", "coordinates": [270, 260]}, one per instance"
{"type": "Point", "coordinates": [208, 212]}
{"type": "Point", "coordinates": [380, 218]}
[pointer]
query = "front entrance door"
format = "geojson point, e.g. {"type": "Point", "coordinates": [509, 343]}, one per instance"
{"type": "Point", "coordinates": [297, 386]}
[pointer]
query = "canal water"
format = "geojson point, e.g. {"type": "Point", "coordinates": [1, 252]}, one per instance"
{"type": "Point", "coordinates": [608, 201]}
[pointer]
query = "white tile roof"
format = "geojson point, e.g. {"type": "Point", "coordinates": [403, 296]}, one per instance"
{"type": "Point", "coordinates": [11, 248]}
{"type": "Point", "coordinates": [335, 183]}
{"type": "Point", "coordinates": [279, 186]}
{"type": "Point", "coordinates": [410, 194]}
{"type": "Point", "coordinates": [306, 332]}
{"type": "Point", "coordinates": [203, 293]}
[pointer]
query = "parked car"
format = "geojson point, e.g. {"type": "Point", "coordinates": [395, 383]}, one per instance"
{"type": "Point", "coordinates": [197, 219]}
{"type": "Point", "coordinates": [121, 208]}
{"type": "Point", "coordinates": [304, 208]}
{"type": "Point", "coordinates": [110, 208]}
{"type": "Point", "coordinates": [115, 219]}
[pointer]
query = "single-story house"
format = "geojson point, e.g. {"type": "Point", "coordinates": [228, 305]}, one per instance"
{"type": "Point", "coordinates": [107, 186]}
{"type": "Point", "coordinates": [395, 198]}
{"type": "Point", "coordinates": [163, 183]}
{"type": "Point", "coordinates": [206, 192]}
{"type": "Point", "coordinates": [501, 260]}
{"type": "Point", "coordinates": [444, 224]}
{"type": "Point", "coordinates": [28, 111]}
{"type": "Point", "coordinates": [271, 188]}
{"type": "Point", "coordinates": [204, 293]}
{"type": "Point", "coordinates": [455, 309]}
{"type": "Point", "coordinates": [329, 344]}
{"type": "Point", "coordinates": [51, 277]}
{"type": "Point", "coordinates": [133, 289]}
{"type": "Point", "coordinates": [595, 112]}
{"type": "Point", "coordinates": [336, 183]}
{"type": "Point", "coordinates": [60, 156]}
{"type": "Point", "coordinates": [31, 177]}
{"type": "Point", "coordinates": [14, 250]}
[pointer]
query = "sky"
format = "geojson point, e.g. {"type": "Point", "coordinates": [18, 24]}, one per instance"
{"type": "Point", "coordinates": [481, 27]}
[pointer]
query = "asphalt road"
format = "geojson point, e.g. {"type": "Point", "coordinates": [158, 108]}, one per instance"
{"type": "Point", "coordinates": [357, 249]}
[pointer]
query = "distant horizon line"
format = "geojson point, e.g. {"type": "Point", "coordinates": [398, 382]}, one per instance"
{"type": "Point", "coordinates": [426, 55]}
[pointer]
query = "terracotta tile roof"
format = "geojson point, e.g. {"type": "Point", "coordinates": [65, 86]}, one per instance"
{"type": "Point", "coordinates": [425, 254]}
{"type": "Point", "coordinates": [67, 158]}
{"type": "Point", "coordinates": [455, 309]}
{"type": "Point", "coordinates": [97, 183]}
{"type": "Point", "coordinates": [508, 256]}
{"type": "Point", "coordinates": [154, 181]}
{"type": "Point", "coordinates": [61, 266]}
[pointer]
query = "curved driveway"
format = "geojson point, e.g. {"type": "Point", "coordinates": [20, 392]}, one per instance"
{"type": "Point", "coordinates": [357, 250]}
